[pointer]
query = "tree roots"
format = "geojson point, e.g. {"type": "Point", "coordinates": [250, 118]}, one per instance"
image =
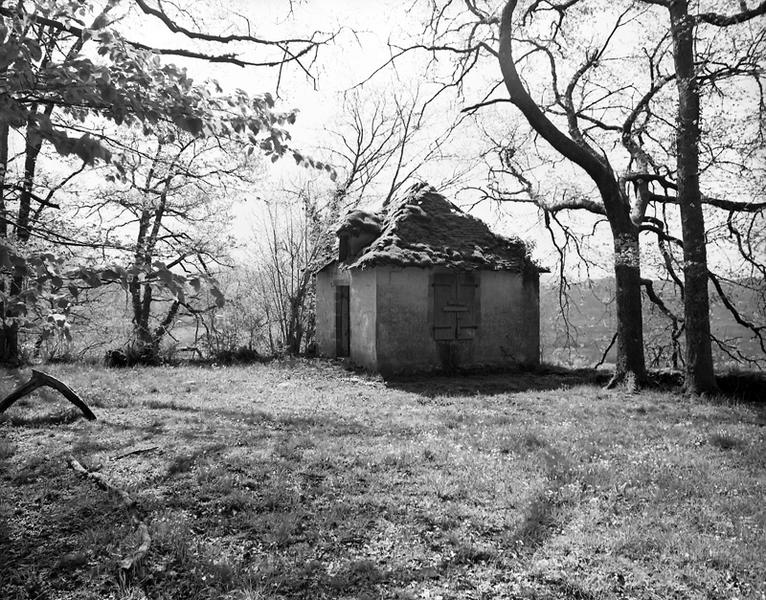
{"type": "Point", "coordinates": [627, 380]}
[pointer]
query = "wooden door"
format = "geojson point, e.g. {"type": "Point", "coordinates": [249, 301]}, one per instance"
{"type": "Point", "coordinates": [342, 321]}
{"type": "Point", "coordinates": [455, 313]}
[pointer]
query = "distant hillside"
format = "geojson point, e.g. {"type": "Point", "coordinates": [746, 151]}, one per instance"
{"type": "Point", "coordinates": [591, 318]}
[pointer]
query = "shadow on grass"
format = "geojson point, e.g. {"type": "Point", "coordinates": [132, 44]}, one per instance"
{"type": "Point", "coordinates": [743, 387]}
{"type": "Point", "coordinates": [288, 421]}
{"type": "Point", "coordinates": [183, 463]}
{"type": "Point", "coordinates": [547, 511]}
{"type": "Point", "coordinates": [50, 559]}
{"type": "Point", "coordinates": [41, 420]}
{"type": "Point", "coordinates": [268, 422]}
{"type": "Point", "coordinates": [495, 382]}
{"type": "Point", "coordinates": [736, 387]}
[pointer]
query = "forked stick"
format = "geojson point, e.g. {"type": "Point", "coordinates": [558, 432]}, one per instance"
{"type": "Point", "coordinates": [40, 379]}
{"type": "Point", "coordinates": [130, 505]}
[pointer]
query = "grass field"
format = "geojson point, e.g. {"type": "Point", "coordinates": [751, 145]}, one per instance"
{"type": "Point", "coordinates": [306, 481]}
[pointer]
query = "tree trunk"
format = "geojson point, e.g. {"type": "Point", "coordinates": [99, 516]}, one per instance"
{"type": "Point", "coordinates": [33, 145]}
{"type": "Point", "coordinates": [4, 131]}
{"type": "Point", "coordinates": [630, 364]}
{"type": "Point", "coordinates": [9, 343]}
{"type": "Point", "coordinates": [630, 367]}
{"type": "Point", "coordinates": [9, 339]}
{"type": "Point", "coordinates": [10, 352]}
{"type": "Point", "coordinates": [164, 327]}
{"type": "Point", "coordinates": [700, 376]}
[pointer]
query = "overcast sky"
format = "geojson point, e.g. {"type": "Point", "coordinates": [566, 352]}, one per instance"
{"type": "Point", "coordinates": [364, 29]}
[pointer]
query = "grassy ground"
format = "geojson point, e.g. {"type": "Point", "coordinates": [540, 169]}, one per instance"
{"type": "Point", "coordinates": [305, 481]}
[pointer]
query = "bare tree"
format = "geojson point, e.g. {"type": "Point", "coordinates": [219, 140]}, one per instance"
{"type": "Point", "coordinates": [700, 375]}
{"type": "Point", "coordinates": [624, 216]}
{"type": "Point", "coordinates": [384, 142]}
{"type": "Point", "coordinates": [287, 244]}
{"type": "Point", "coordinates": [166, 213]}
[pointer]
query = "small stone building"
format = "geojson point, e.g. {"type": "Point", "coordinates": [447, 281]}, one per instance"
{"type": "Point", "coordinates": [426, 286]}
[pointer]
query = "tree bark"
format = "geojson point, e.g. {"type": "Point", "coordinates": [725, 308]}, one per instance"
{"type": "Point", "coordinates": [9, 329]}
{"type": "Point", "coordinates": [700, 375]}
{"type": "Point", "coordinates": [9, 343]}
{"type": "Point", "coordinates": [4, 132]}
{"type": "Point", "coordinates": [32, 150]}
{"type": "Point", "coordinates": [630, 367]}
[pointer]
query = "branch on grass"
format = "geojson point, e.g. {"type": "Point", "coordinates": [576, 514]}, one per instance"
{"type": "Point", "coordinates": [139, 451]}
{"type": "Point", "coordinates": [130, 505]}
{"type": "Point", "coordinates": [608, 348]}
{"type": "Point", "coordinates": [40, 379]}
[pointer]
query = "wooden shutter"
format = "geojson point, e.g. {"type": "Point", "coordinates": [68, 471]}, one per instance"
{"type": "Point", "coordinates": [467, 301]}
{"type": "Point", "coordinates": [444, 295]}
{"type": "Point", "coordinates": [456, 306]}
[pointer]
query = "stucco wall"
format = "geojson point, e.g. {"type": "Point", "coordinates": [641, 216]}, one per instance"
{"type": "Point", "coordinates": [326, 280]}
{"type": "Point", "coordinates": [363, 310]}
{"type": "Point", "coordinates": [531, 303]}
{"type": "Point", "coordinates": [325, 312]}
{"type": "Point", "coordinates": [405, 341]}
{"type": "Point", "coordinates": [509, 328]}
{"type": "Point", "coordinates": [392, 319]}
{"type": "Point", "coordinates": [362, 306]}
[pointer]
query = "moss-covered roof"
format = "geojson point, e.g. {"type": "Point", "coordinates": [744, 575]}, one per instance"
{"type": "Point", "coordinates": [424, 229]}
{"type": "Point", "coordinates": [360, 221]}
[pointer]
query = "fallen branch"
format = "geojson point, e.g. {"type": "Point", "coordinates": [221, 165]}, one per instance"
{"type": "Point", "coordinates": [40, 379]}
{"type": "Point", "coordinates": [139, 451]}
{"type": "Point", "coordinates": [130, 505]}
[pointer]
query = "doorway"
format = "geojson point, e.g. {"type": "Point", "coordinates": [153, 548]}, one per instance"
{"type": "Point", "coordinates": [342, 321]}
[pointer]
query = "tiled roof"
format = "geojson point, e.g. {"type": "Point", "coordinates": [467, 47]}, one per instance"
{"type": "Point", "coordinates": [424, 229]}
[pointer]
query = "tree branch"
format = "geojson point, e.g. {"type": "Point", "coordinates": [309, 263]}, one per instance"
{"type": "Point", "coordinates": [719, 20]}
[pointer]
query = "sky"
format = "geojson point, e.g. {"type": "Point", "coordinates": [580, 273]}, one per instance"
{"type": "Point", "coordinates": [363, 29]}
